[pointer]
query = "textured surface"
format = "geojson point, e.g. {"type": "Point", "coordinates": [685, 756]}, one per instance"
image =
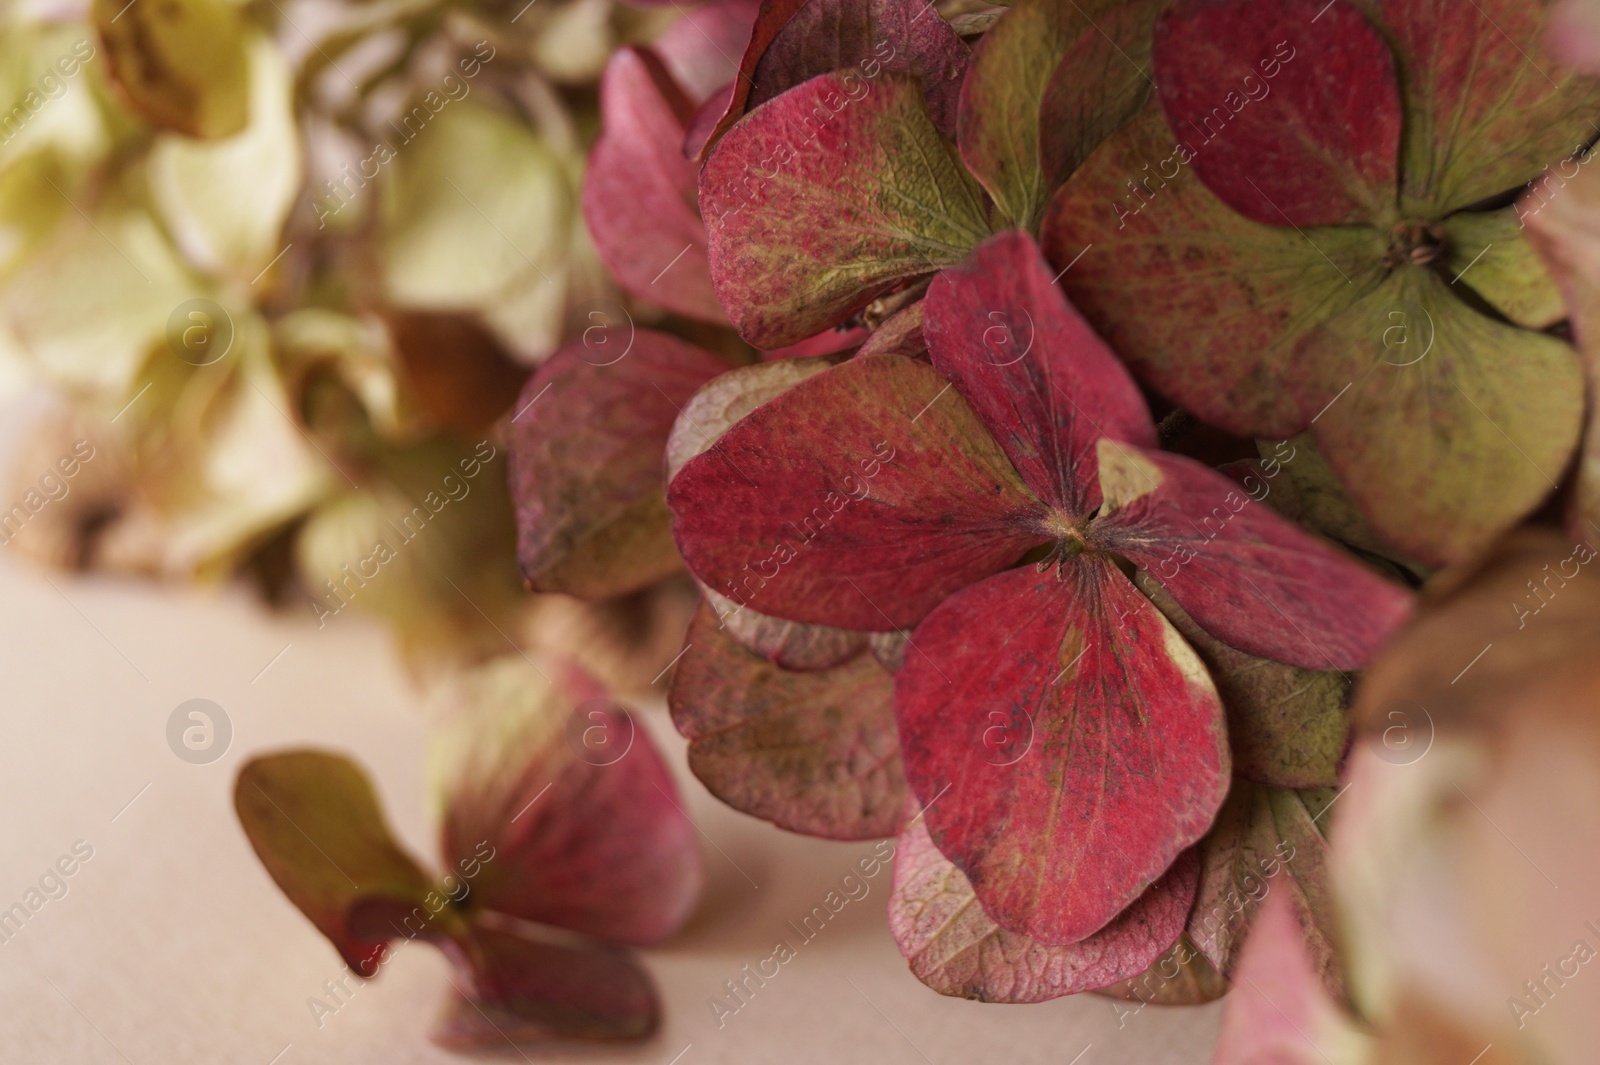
{"type": "Point", "coordinates": [956, 949]}
{"type": "Point", "coordinates": [813, 752]}
{"type": "Point", "coordinates": [825, 198]}
{"type": "Point", "coordinates": [1066, 741]}
{"type": "Point", "coordinates": [859, 498]}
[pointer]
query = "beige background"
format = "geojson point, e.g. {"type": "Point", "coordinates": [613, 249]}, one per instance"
{"type": "Point", "coordinates": [173, 946]}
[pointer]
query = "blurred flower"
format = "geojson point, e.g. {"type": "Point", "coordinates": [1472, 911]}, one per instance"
{"type": "Point", "coordinates": [1463, 853]}
{"type": "Point", "coordinates": [288, 282]}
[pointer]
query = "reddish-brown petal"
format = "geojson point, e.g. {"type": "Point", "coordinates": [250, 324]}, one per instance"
{"type": "Point", "coordinates": [586, 460]}
{"type": "Point", "coordinates": [812, 752]}
{"type": "Point", "coordinates": [513, 988]}
{"type": "Point", "coordinates": [795, 40]}
{"type": "Point", "coordinates": [1046, 386]}
{"type": "Point", "coordinates": [827, 197]}
{"type": "Point", "coordinates": [1067, 744]}
{"type": "Point", "coordinates": [1294, 111]}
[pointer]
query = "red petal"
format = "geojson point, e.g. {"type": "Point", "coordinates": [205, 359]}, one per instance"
{"type": "Point", "coordinates": [639, 193]}
{"type": "Point", "coordinates": [567, 814]}
{"type": "Point", "coordinates": [956, 949]}
{"type": "Point", "coordinates": [795, 40]}
{"type": "Point", "coordinates": [1245, 574]}
{"type": "Point", "coordinates": [1046, 386]}
{"type": "Point", "coordinates": [1291, 106]}
{"type": "Point", "coordinates": [1066, 742]}
{"type": "Point", "coordinates": [859, 498]}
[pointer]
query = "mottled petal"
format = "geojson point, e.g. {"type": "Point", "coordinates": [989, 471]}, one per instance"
{"type": "Point", "coordinates": [1066, 742]}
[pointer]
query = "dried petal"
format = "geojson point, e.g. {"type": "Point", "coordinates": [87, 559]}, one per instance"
{"type": "Point", "coordinates": [813, 752]}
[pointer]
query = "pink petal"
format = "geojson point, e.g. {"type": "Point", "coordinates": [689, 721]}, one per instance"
{"type": "Point", "coordinates": [1244, 573]}
{"type": "Point", "coordinates": [639, 193]}
{"type": "Point", "coordinates": [1046, 386]}
{"type": "Point", "coordinates": [702, 49]}
{"type": "Point", "coordinates": [1067, 744]}
{"type": "Point", "coordinates": [1278, 1013]}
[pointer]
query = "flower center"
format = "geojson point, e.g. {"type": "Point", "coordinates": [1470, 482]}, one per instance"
{"type": "Point", "coordinates": [1064, 531]}
{"type": "Point", "coordinates": [1416, 244]}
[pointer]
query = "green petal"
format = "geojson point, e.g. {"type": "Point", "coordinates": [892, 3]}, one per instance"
{"type": "Point", "coordinates": [1489, 252]}
{"type": "Point", "coordinates": [315, 823]}
{"type": "Point", "coordinates": [478, 203]}
{"type": "Point", "coordinates": [1047, 85]}
{"type": "Point", "coordinates": [1286, 726]}
{"type": "Point", "coordinates": [225, 201]}
{"type": "Point", "coordinates": [1487, 108]}
{"type": "Point", "coordinates": [1302, 488]}
{"type": "Point", "coordinates": [1447, 426]}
